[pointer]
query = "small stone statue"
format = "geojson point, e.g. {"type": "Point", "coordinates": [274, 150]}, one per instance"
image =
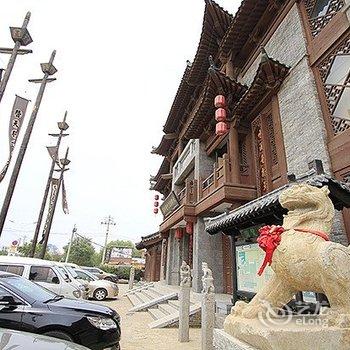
{"type": "Point", "coordinates": [207, 279]}
{"type": "Point", "coordinates": [185, 275]}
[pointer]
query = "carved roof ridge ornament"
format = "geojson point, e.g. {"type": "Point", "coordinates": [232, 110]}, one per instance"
{"type": "Point", "coordinates": [269, 77]}
{"type": "Point", "coordinates": [216, 21]}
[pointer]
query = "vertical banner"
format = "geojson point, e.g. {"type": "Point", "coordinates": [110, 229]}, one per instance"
{"type": "Point", "coordinates": [64, 198]}
{"type": "Point", "coordinates": [53, 198]}
{"type": "Point", "coordinates": [16, 120]}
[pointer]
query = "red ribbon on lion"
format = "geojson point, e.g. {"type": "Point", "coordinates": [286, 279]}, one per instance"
{"type": "Point", "coordinates": [268, 240]}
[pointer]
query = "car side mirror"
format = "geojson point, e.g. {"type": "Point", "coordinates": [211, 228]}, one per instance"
{"type": "Point", "coordinates": [55, 280]}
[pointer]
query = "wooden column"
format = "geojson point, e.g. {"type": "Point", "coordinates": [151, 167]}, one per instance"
{"type": "Point", "coordinates": [234, 152]}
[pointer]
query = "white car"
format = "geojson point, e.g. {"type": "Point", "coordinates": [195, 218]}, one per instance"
{"type": "Point", "coordinates": [98, 289]}
{"type": "Point", "coordinates": [42, 272]}
{"type": "Point", "coordinates": [69, 272]}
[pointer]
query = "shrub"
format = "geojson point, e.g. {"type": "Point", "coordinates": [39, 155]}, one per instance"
{"type": "Point", "coordinates": [122, 271]}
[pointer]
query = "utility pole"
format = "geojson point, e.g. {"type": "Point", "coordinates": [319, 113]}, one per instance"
{"type": "Point", "coordinates": [48, 69]}
{"type": "Point", "coordinates": [65, 161]}
{"type": "Point", "coordinates": [70, 243]}
{"type": "Point", "coordinates": [20, 36]}
{"type": "Point", "coordinates": [108, 221]}
{"type": "Point", "coordinates": [63, 126]}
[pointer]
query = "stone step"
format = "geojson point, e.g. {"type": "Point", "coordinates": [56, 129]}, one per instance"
{"type": "Point", "coordinates": [139, 288]}
{"type": "Point", "coordinates": [168, 309]}
{"type": "Point", "coordinates": [174, 303]}
{"type": "Point", "coordinates": [151, 293]}
{"type": "Point", "coordinates": [173, 319]}
{"type": "Point", "coordinates": [156, 313]}
{"type": "Point", "coordinates": [133, 299]}
{"type": "Point", "coordinates": [144, 298]}
{"type": "Point", "coordinates": [152, 303]}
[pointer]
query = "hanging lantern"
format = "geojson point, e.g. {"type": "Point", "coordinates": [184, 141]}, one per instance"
{"type": "Point", "coordinates": [189, 228]}
{"type": "Point", "coordinates": [156, 204]}
{"type": "Point", "coordinates": [178, 233]}
{"type": "Point", "coordinates": [155, 210]}
{"type": "Point", "coordinates": [220, 101]}
{"type": "Point", "coordinates": [156, 197]}
{"type": "Point", "coordinates": [221, 128]}
{"type": "Point", "coordinates": [220, 115]}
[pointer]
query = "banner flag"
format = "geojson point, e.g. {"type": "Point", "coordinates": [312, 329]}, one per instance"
{"type": "Point", "coordinates": [16, 120]}
{"type": "Point", "coordinates": [53, 152]}
{"type": "Point", "coordinates": [53, 199]}
{"type": "Point", "coordinates": [64, 198]}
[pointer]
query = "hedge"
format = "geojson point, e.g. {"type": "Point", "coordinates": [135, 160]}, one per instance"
{"type": "Point", "coordinates": [122, 271]}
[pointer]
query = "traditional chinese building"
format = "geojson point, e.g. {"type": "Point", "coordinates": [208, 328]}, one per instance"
{"type": "Point", "coordinates": [153, 246]}
{"type": "Point", "coordinates": [283, 69]}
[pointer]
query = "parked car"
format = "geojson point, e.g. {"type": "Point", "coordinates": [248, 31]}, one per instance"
{"type": "Point", "coordinates": [18, 340]}
{"type": "Point", "coordinates": [100, 274]}
{"type": "Point", "coordinates": [69, 272]}
{"type": "Point", "coordinates": [26, 306]}
{"type": "Point", "coordinates": [98, 289]}
{"type": "Point", "coordinates": [44, 273]}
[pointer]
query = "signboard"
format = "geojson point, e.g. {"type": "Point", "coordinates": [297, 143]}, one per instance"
{"type": "Point", "coordinates": [249, 258]}
{"type": "Point", "coordinates": [120, 252]}
{"type": "Point", "coordinates": [170, 204]}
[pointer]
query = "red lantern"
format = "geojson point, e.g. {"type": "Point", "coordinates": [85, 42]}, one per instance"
{"type": "Point", "coordinates": [221, 128]}
{"type": "Point", "coordinates": [189, 228]}
{"type": "Point", "coordinates": [178, 233]}
{"type": "Point", "coordinates": [220, 115]}
{"type": "Point", "coordinates": [220, 101]}
{"type": "Point", "coordinates": [155, 210]}
{"type": "Point", "coordinates": [156, 197]}
{"type": "Point", "coordinates": [156, 204]}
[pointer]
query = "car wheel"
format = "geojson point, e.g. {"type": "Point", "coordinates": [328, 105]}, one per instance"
{"type": "Point", "coordinates": [59, 335]}
{"type": "Point", "coordinates": [100, 294]}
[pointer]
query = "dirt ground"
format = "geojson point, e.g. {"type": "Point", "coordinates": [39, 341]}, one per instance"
{"type": "Point", "coordinates": [136, 334]}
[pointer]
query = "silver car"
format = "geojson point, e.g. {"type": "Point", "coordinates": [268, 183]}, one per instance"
{"type": "Point", "coordinates": [98, 289]}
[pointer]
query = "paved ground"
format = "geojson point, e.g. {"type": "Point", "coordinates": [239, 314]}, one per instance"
{"type": "Point", "coordinates": [136, 334]}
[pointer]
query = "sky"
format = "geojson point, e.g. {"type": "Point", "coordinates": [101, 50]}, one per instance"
{"type": "Point", "coordinates": [119, 66]}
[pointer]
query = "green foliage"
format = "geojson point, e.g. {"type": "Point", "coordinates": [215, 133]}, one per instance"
{"type": "Point", "coordinates": [82, 252]}
{"type": "Point", "coordinates": [24, 250]}
{"type": "Point", "coordinates": [122, 271]}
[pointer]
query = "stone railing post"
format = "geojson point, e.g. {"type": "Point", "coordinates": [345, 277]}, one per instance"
{"type": "Point", "coordinates": [184, 312]}
{"type": "Point", "coordinates": [208, 308]}
{"type": "Point", "coordinates": [131, 277]}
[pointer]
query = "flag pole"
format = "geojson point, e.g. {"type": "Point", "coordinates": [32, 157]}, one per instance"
{"type": "Point", "coordinates": [63, 126]}
{"type": "Point", "coordinates": [48, 69]}
{"type": "Point", "coordinates": [20, 36]}
{"type": "Point", "coordinates": [65, 161]}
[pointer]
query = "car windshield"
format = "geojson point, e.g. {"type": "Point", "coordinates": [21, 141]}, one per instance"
{"type": "Point", "coordinates": [28, 288]}
{"type": "Point", "coordinates": [71, 271]}
{"type": "Point", "coordinates": [93, 277]}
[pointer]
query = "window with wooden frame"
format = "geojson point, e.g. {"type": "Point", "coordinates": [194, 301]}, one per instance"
{"type": "Point", "coordinates": [320, 12]}
{"type": "Point", "coordinates": [335, 74]}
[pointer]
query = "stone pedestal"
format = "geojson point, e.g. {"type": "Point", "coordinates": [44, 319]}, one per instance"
{"type": "Point", "coordinates": [131, 277]}
{"type": "Point", "coordinates": [301, 332]}
{"type": "Point", "coordinates": [184, 314]}
{"type": "Point", "coordinates": [208, 320]}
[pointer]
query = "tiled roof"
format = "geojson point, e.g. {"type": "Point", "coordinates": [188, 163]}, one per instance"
{"type": "Point", "coordinates": [148, 240]}
{"type": "Point", "coordinates": [269, 203]}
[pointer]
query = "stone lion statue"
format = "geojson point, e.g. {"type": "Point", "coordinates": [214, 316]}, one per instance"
{"type": "Point", "coordinates": [304, 261]}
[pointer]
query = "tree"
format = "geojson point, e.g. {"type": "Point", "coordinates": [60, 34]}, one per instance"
{"type": "Point", "coordinates": [125, 244]}
{"type": "Point", "coordinates": [82, 252]}
{"type": "Point", "coordinates": [25, 248]}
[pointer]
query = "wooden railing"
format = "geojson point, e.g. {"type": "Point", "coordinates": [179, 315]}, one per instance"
{"type": "Point", "coordinates": [188, 195]}
{"type": "Point", "coordinates": [220, 175]}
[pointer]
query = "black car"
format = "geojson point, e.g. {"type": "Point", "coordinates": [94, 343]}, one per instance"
{"type": "Point", "coordinates": [28, 307]}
